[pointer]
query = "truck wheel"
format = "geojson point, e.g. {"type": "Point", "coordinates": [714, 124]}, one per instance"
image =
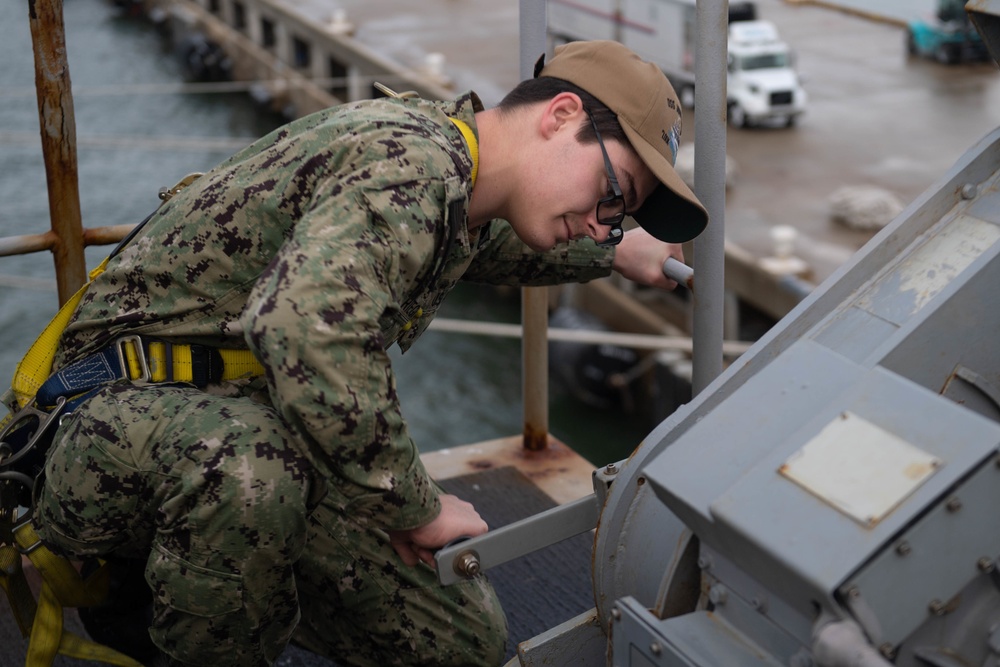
{"type": "Point", "coordinates": [737, 116]}
{"type": "Point", "coordinates": [947, 54]}
{"type": "Point", "coordinates": [687, 97]}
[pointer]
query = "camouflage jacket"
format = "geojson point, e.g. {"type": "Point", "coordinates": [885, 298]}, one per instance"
{"type": "Point", "coordinates": [317, 247]}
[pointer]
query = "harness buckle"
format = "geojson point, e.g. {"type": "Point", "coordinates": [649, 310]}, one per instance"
{"type": "Point", "coordinates": [9, 454]}
{"type": "Point", "coordinates": [34, 546]}
{"type": "Point", "coordinates": [126, 362]}
{"type": "Point", "coordinates": [23, 443]}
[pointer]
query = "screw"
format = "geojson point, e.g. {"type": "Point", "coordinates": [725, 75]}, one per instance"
{"type": "Point", "coordinates": [616, 614]}
{"type": "Point", "coordinates": [467, 564]}
{"type": "Point", "coordinates": [705, 562]}
{"type": "Point", "coordinates": [886, 650]}
{"type": "Point", "coordinates": [953, 504]}
{"type": "Point", "coordinates": [760, 604]}
{"type": "Point", "coordinates": [936, 607]}
{"type": "Point", "coordinates": [985, 564]}
{"type": "Point", "coordinates": [655, 648]}
{"type": "Point", "coordinates": [611, 469]}
{"type": "Point", "coordinates": [717, 595]}
{"type": "Point", "coordinates": [903, 548]}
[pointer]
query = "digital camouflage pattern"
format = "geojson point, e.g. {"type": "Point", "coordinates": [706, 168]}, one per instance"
{"type": "Point", "coordinates": [317, 247]}
{"type": "Point", "coordinates": [207, 489]}
{"type": "Point", "coordinates": [311, 246]}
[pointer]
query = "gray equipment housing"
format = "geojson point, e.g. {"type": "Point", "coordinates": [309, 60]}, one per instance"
{"type": "Point", "coordinates": [829, 500]}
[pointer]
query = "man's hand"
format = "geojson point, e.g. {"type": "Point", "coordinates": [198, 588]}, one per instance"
{"type": "Point", "coordinates": [640, 257]}
{"type": "Point", "coordinates": [457, 519]}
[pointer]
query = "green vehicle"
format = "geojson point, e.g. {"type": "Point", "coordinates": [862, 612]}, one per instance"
{"type": "Point", "coordinates": [948, 36]}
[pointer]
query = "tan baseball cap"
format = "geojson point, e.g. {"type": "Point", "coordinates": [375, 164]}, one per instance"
{"type": "Point", "coordinates": [649, 113]}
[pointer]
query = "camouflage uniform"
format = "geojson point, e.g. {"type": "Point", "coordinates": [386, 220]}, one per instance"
{"type": "Point", "coordinates": [317, 247]}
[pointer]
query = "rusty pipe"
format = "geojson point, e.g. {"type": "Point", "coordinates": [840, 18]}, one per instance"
{"type": "Point", "coordinates": [58, 129]}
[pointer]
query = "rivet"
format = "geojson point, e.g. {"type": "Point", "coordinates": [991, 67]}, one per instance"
{"type": "Point", "coordinates": [953, 504]}
{"type": "Point", "coordinates": [936, 607]}
{"type": "Point", "coordinates": [985, 564]}
{"type": "Point", "coordinates": [616, 614]}
{"type": "Point", "coordinates": [886, 650]}
{"type": "Point", "coordinates": [969, 191]}
{"type": "Point", "coordinates": [655, 648]}
{"type": "Point", "coordinates": [903, 548]}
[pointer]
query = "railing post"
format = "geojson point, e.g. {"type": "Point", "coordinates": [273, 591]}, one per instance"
{"type": "Point", "coordinates": [710, 186]}
{"type": "Point", "coordinates": [58, 130]}
{"type": "Point", "coordinates": [534, 300]}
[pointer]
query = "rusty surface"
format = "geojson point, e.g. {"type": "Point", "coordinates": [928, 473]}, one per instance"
{"type": "Point", "coordinates": [557, 470]}
{"type": "Point", "coordinates": [58, 132]}
{"type": "Point", "coordinates": [105, 235]}
{"type": "Point", "coordinates": [535, 439]}
{"type": "Point", "coordinates": [28, 243]}
{"type": "Point", "coordinates": [535, 366]}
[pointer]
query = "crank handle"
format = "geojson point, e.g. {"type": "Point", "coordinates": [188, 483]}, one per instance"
{"type": "Point", "coordinates": [679, 272]}
{"type": "Point", "coordinates": [467, 558]}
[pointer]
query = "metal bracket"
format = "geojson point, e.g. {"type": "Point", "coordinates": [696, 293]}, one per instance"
{"type": "Point", "coordinates": [468, 558]}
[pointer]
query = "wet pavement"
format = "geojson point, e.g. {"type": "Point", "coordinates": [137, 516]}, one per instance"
{"type": "Point", "coordinates": [876, 117]}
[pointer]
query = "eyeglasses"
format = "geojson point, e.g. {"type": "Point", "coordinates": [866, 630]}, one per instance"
{"type": "Point", "coordinates": [610, 209]}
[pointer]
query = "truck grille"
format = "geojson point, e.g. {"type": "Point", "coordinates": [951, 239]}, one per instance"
{"type": "Point", "coordinates": [782, 97]}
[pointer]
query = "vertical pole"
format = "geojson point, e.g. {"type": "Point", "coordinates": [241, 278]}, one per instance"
{"type": "Point", "coordinates": [58, 129]}
{"type": "Point", "coordinates": [534, 300]}
{"type": "Point", "coordinates": [712, 21]}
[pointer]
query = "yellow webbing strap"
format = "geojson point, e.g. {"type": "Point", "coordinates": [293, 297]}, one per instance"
{"type": "Point", "coordinates": [15, 585]}
{"type": "Point", "coordinates": [235, 363]}
{"type": "Point", "coordinates": [470, 141]}
{"type": "Point", "coordinates": [62, 586]}
{"type": "Point", "coordinates": [35, 367]}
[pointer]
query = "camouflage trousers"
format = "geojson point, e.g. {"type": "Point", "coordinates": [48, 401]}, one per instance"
{"type": "Point", "coordinates": [244, 549]}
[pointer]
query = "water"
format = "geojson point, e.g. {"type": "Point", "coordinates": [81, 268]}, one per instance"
{"type": "Point", "coordinates": [136, 133]}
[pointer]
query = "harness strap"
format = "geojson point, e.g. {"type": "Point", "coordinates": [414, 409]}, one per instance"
{"type": "Point", "coordinates": [62, 586]}
{"type": "Point", "coordinates": [470, 141]}
{"type": "Point", "coordinates": [147, 360]}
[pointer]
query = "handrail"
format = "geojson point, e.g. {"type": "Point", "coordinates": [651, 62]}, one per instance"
{"type": "Point", "coordinates": [25, 244]}
{"type": "Point", "coordinates": [58, 130]}
{"type": "Point", "coordinates": [534, 300]}
{"type": "Point", "coordinates": [710, 187]}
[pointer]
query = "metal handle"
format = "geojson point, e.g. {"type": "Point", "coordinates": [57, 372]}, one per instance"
{"type": "Point", "coordinates": [467, 558]}
{"type": "Point", "coordinates": [679, 272]}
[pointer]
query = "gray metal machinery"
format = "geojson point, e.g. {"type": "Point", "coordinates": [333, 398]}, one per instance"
{"type": "Point", "coordinates": [833, 498]}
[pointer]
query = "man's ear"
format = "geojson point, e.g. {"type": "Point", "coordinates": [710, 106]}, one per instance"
{"type": "Point", "coordinates": [564, 111]}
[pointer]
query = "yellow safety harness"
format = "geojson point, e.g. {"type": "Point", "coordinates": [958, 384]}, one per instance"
{"type": "Point", "coordinates": [61, 584]}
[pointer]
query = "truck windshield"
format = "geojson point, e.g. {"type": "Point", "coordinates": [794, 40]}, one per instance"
{"type": "Point", "coordinates": [762, 61]}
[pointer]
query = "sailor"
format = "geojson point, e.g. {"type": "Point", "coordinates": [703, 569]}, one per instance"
{"type": "Point", "coordinates": [282, 499]}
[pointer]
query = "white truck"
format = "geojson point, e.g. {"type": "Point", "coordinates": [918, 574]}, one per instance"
{"type": "Point", "coordinates": [762, 86]}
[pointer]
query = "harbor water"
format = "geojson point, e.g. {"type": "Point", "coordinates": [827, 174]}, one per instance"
{"type": "Point", "coordinates": [140, 128]}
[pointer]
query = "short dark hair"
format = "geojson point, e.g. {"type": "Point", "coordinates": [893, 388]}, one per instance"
{"type": "Point", "coordinates": [544, 88]}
